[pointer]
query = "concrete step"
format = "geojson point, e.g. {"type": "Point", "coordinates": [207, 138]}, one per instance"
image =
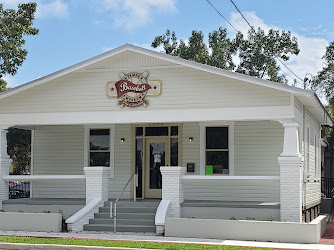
{"type": "Point", "coordinates": [129, 209]}
{"type": "Point", "coordinates": [122, 222]}
{"type": "Point", "coordinates": [128, 228]}
{"type": "Point", "coordinates": [143, 216]}
{"type": "Point", "coordinates": [133, 204]}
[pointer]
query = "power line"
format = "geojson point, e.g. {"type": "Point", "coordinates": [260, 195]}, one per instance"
{"type": "Point", "coordinates": [222, 16]}
{"type": "Point", "coordinates": [243, 16]}
{"type": "Point", "coordinates": [255, 31]}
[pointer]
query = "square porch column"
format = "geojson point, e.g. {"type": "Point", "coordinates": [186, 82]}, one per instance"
{"type": "Point", "coordinates": [291, 175]}
{"type": "Point", "coordinates": [172, 189]}
{"type": "Point", "coordinates": [5, 162]}
{"type": "Point", "coordinates": [97, 183]}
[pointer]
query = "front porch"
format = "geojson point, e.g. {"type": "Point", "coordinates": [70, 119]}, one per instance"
{"type": "Point", "coordinates": [248, 188]}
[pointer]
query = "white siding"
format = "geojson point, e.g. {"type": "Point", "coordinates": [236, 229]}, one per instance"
{"type": "Point", "coordinates": [191, 150]}
{"type": "Point", "coordinates": [122, 162]}
{"type": "Point", "coordinates": [312, 193]}
{"type": "Point", "coordinates": [232, 190]}
{"type": "Point", "coordinates": [129, 59]}
{"type": "Point", "coordinates": [58, 150]}
{"type": "Point", "coordinates": [257, 147]}
{"type": "Point", "coordinates": [182, 88]}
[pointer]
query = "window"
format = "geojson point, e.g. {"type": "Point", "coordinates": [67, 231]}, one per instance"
{"type": "Point", "coordinates": [99, 147]}
{"type": "Point", "coordinates": [216, 150]}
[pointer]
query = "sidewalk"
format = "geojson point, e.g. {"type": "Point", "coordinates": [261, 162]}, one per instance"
{"type": "Point", "coordinates": [154, 238]}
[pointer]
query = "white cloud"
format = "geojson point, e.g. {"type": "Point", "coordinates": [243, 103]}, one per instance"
{"type": "Point", "coordinates": [56, 8]}
{"type": "Point", "coordinates": [10, 81]}
{"type": "Point", "coordinates": [309, 59]}
{"type": "Point", "coordinates": [45, 8]}
{"type": "Point", "coordinates": [135, 13]}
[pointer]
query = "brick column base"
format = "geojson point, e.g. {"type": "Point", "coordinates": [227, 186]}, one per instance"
{"type": "Point", "coordinates": [172, 189]}
{"type": "Point", "coordinates": [291, 179]}
{"type": "Point", "coordinates": [97, 185]}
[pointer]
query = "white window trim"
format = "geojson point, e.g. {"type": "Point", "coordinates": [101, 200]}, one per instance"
{"type": "Point", "coordinates": [111, 142]}
{"type": "Point", "coordinates": [230, 125]}
{"type": "Point", "coordinates": [307, 149]}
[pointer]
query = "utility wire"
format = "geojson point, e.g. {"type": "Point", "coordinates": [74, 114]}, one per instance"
{"type": "Point", "coordinates": [222, 16]}
{"type": "Point", "coordinates": [255, 31]}
{"type": "Point", "coordinates": [243, 16]}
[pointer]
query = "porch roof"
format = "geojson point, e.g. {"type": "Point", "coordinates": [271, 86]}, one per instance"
{"type": "Point", "coordinates": [307, 97]}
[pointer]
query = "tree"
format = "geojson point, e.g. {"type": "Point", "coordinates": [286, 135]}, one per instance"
{"type": "Point", "coordinates": [168, 41]}
{"type": "Point", "coordinates": [259, 52]}
{"type": "Point", "coordinates": [3, 85]}
{"type": "Point", "coordinates": [222, 50]}
{"type": "Point", "coordinates": [19, 149]}
{"type": "Point", "coordinates": [13, 26]}
{"type": "Point", "coordinates": [325, 79]}
{"type": "Point", "coordinates": [196, 50]}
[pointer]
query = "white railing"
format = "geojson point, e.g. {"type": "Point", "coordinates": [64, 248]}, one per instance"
{"type": "Point", "coordinates": [80, 218]}
{"type": "Point", "coordinates": [160, 216]}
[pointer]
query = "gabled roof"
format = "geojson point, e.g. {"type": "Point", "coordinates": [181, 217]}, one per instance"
{"type": "Point", "coordinates": [305, 95]}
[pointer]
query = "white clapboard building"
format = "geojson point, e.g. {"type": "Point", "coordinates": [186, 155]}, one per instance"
{"type": "Point", "coordinates": [190, 140]}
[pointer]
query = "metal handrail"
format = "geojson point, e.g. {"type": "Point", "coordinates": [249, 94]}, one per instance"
{"type": "Point", "coordinates": [115, 203]}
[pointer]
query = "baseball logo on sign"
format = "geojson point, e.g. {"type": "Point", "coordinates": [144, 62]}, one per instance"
{"type": "Point", "coordinates": [132, 89]}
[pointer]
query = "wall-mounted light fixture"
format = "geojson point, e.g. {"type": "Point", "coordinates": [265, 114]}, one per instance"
{"type": "Point", "coordinates": [122, 140]}
{"type": "Point", "coordinates": [191, 139]}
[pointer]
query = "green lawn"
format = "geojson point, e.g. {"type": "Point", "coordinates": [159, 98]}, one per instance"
{"type": "Point", "coordinates": [117, 243]}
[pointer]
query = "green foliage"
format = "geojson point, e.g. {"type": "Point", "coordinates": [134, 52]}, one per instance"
{"type": "Point", "coordinates": [3, 85]}
{"type": "Point", "coordinates": [258, 52]}
{"type": "Point", "coordinates": [196, 50]}
{"type": "Point", "coordinates": [19, 149]}
{"type": "Point", "coordinates": [168, 41]}
{"type": "Point", "coordinates": [222, 50]}
{"type": "Point", "coordinates": [325, 78]}
{"type": "Point", "coordinates": [14, 25]}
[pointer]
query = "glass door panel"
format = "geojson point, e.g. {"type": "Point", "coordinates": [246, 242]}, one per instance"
{"type": "Point", "coordinates": [157, 155]}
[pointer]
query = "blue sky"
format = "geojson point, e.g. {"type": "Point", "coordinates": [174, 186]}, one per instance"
{"type": "Point", "coordinates": [75, 30]}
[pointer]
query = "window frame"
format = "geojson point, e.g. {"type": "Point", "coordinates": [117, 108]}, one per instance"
{"type": "Point", "coordinates": [203, 150]}
{"type": "Point", "coordinates": [87, 149]}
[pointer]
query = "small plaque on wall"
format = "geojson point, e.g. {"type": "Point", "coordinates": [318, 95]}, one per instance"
{"type": "Point", "coordinates": [190, 167]}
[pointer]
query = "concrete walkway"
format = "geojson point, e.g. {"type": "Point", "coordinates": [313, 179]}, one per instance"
{"type": "Point", "coordinates": [153, 238]}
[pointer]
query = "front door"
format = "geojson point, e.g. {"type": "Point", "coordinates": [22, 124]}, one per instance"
{"type": "Point", "coordinates": [157, 155]}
